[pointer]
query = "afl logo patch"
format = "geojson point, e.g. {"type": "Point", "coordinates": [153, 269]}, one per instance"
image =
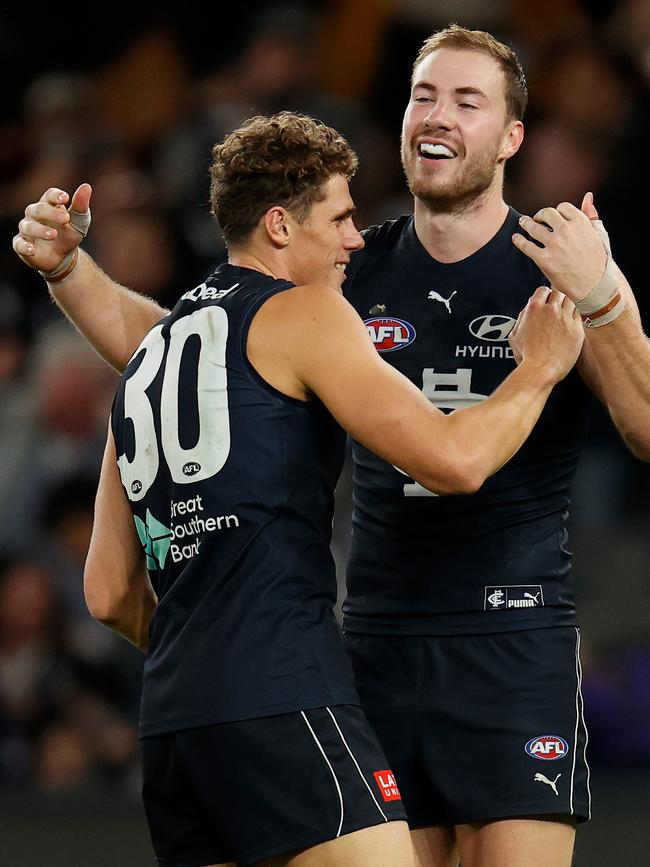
{"type": "Point", "coordinates": [494, 328]}
{"type": "Point", "coordinates": [191, 469]}
{"type": "Point", "coordinates": [549, 748]}
{"type": "Point", "coordinates": [389, 333]}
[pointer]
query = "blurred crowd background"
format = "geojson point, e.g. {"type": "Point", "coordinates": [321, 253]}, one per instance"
{"type": "Point", "coordinates": [132, 102]}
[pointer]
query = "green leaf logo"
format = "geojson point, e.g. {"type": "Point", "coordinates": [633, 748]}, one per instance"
{"type": "Point", "coordinates": [155, 539]}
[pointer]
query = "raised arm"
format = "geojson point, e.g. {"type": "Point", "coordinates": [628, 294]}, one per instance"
{"type": "Point", "coordinates": [111, 317]}
{"type": "Point", "coordinates": [116, 584]}
{"type": "Point", "coordinates": [615, 361]}
{"type": "Point", "coordinates": [331, 356]}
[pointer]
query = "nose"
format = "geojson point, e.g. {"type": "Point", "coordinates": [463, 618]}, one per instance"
{"type": "Point", "coordinates": [439, 115]}
{"type": "Point", "coordinates": [354, 240]}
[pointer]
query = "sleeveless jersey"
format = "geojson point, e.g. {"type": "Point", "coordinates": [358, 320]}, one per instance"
{"type": "Point", "coordinates": [231, 487]}
{"type": "Point", "coordinates": [495, 560]}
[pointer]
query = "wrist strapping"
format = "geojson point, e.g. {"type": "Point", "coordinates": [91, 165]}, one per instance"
{"type": "Point", "coordinates": [604, 303]}
{"type": "Point", "coordinates": [65, 267]}
{"type": "Point", "coordinates": [81, 223]}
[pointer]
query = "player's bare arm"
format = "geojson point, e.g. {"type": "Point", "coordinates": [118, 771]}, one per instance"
{"type": "Point", "coordinates": [117, 588]}
{"type": "Point", "coordinates": [112, 318]}
{"type": "Point", "coordinates": [615, 361]}
{"type": "Point", "coordinates": [330, 355]}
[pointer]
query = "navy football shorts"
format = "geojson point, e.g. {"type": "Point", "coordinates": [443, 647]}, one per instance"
{"type": "Point", "coordinates": [247, 791]}
{"type": "Point", "coordinates": [478, 727]}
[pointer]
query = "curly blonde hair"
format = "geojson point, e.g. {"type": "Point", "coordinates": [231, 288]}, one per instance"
{"type": "Point", "coordinates": [280, 160]}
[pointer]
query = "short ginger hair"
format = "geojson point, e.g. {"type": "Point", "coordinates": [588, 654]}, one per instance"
{"type": "Point", "coordinates": [282, 160]}
{"type": "Point", "coordinates": [454, 36]}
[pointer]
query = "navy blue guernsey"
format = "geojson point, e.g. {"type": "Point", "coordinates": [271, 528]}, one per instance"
{"type": "Point", "coordinates": [495, 560]}
{"type": "Point", "coordinates": [231, 486]}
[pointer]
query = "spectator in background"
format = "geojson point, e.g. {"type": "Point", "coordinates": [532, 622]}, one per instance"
{"type": "Point", "coordinates": [44, 687]}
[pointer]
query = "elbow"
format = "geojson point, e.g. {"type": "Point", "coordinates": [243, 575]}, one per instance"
{"type": "Point", "coordinates": [103, 605]}
{"type": "Point", "coordinates": [466, 474]}
{"type": "Point", "coordinates": [460, 476]}
{"type": "Point", "coordinates": [639, 445]}
{"type": "Point", "coordinates": [467, 480]}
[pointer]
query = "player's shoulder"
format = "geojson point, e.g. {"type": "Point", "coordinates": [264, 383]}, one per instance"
{"type": "Point", "coordinates": [389, 233]}
{"type": "Point", "coordinates": [307, 303]}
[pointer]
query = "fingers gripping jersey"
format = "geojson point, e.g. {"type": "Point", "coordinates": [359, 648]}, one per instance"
{"type": "Point", "coordinates": [231, 486]}
{"type": "Point", "coordinates": [494, 560]}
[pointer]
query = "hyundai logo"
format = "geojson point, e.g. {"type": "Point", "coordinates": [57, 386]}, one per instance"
{"type": "Point", "coordinates": [494, 327]}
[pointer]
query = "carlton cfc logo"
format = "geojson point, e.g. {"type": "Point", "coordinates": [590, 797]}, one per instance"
{"type": "Point", "coordinates": [547, 747]}
{"type": "Point", "coordinates": [389, 334]}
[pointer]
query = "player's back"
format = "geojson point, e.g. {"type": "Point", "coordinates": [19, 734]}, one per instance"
{"type": "Point", "coordinates": [231, 485]}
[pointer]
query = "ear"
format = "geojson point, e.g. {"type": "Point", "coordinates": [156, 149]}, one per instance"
{"type": "Point", "coordinates": [512, 141]}
{"type": "Point", "coordinates": [276, 224]}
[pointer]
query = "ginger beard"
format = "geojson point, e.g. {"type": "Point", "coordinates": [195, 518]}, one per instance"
{"type": "Point", "coordinates": [444, 192]}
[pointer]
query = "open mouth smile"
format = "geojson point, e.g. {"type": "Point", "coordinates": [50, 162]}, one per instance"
{"type": "Point", "coordinates": [431, 151]}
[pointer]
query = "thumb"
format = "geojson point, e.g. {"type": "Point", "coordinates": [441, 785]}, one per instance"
{"type": "Point", "coordinates": [81, 198]}
{"type": "Point", "coordinates": [80, 209]}
{"type": "Point", "coordinates": [588, 207]}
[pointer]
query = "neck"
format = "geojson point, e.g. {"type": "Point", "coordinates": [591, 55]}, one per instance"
{"type": "Point", "coordinates": [450, 237]}
{"type": "Point", "coordinates": [268, 264]}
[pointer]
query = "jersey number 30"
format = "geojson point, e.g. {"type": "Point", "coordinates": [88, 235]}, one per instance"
{"type": "Point", "coordinates": [208, 455]}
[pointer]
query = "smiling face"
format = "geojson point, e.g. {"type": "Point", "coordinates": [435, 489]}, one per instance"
{"type": "Point", "coordinates": [457, 133]}
{"type": "Point", "coordinates": [322, 243]}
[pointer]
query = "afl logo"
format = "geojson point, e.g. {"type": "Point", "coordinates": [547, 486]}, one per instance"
{"type": "Point", "coordinates": [136, 487]}
{"type": "Point", "coordinates": [547, 747]}
{"type": "Point", "coordinates": [494, 328]}
{"type": "Point", "coordinates": [389, 334]}
{"type": "Point", "coordinates": [191, 469]}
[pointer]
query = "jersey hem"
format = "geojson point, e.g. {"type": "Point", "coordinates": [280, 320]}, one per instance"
{"type": "Point", "coordinates": [365, 626]}
{"type": "Point", "coordinates": [148, 730]}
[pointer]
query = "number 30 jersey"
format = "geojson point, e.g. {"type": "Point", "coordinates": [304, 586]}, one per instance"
{"type": "Point", "coordinates": [231, 486]}
{"type": "Point", "coordinates": [495, 560]}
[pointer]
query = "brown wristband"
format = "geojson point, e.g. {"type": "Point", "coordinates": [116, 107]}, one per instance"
{"type": "Point", "coordinates": [597, 314]}
{"type": "Point", "coordinates": [57, 278]}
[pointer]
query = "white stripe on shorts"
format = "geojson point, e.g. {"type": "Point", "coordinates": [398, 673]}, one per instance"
{"type": "Point", "coordinates": [345, 743]}
{"type": "Point", "coordinates": [584, 726]}
{"type": "Point", "coordinates": [580, 705]}
{"type": "Point", "coordinates": [336, 782]}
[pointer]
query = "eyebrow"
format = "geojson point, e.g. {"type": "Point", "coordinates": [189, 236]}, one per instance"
{"type": "Point", "coordinates": [465, 91]}
{"type": "Point", "coordinates": [344, 214]}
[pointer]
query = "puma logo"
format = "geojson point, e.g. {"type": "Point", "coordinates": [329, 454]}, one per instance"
{"type": "Point", "coordinates": [436, 296]}
{"type": "Point", "coordinates": [540, 778]}
{"type": "Point", "coordinates": [535, 598]}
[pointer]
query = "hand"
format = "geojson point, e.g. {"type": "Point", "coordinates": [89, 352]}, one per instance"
{"type": "Point", "coordinates": [548, 333]}
{"type": "Point", "coordinates": [572, 254]}
{"type": "Point", "coordinates": [47, 234]}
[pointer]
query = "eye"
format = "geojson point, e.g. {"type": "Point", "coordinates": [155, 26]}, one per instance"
{"type": "Point", "coordinates": [422, 99]}
{"type": "Point", "coordinates": [467, 105]}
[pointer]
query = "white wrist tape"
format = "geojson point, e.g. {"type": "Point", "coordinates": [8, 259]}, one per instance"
{"type": "Point", "coordinates": [602, 293]}
{"type": "Point", "coordinates": [608, 314]}
{"type": "Point", "coordinates": [604, 303]}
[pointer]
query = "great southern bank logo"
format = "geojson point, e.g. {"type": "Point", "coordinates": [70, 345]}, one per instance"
{"type": "Point", "coordinates": [389, 333]}
{"type": "Point", "coordinates": [494, 327]}
{"type": "Point", "coordinates": [156, 540]}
